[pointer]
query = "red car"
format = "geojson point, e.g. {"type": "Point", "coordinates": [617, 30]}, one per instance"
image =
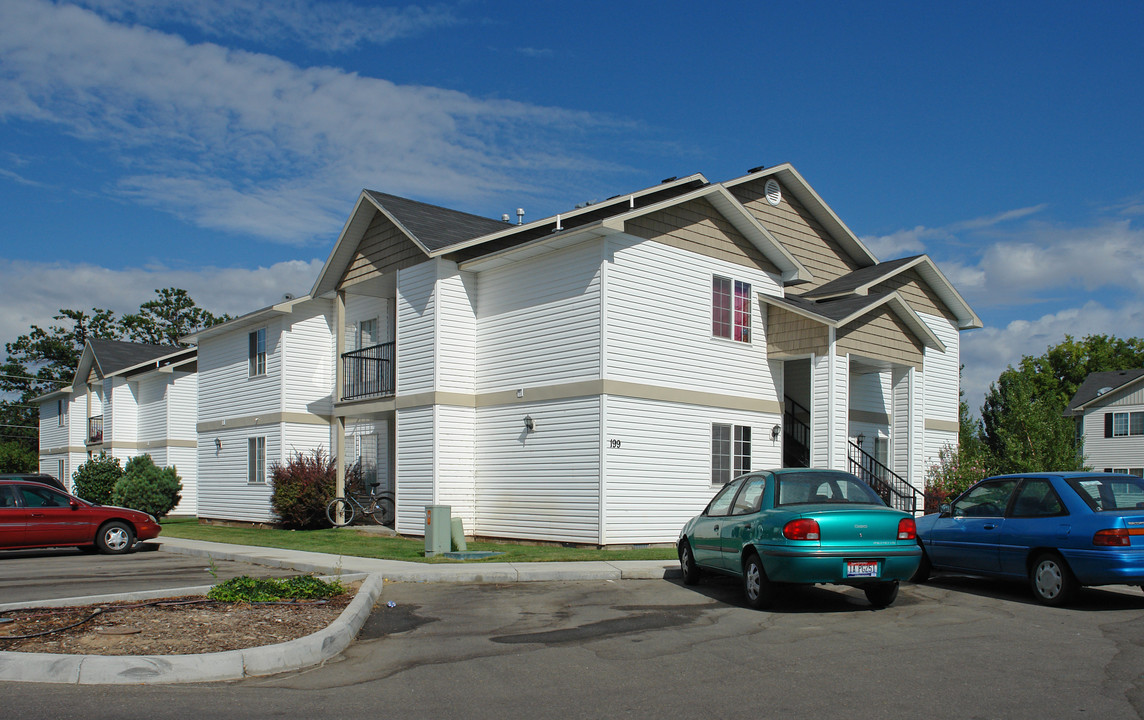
{"type": "Point", "coordinates": [33, 515]}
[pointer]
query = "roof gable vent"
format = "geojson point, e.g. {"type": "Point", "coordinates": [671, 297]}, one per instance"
{"type": "Point", "coordinates": [774, 192]}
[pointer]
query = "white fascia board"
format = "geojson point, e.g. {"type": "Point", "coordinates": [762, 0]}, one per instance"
{"type": "Point", "coordinates": [757, 233]}
{"type": "Point", "coordinates": [155, 363]}
{"type": "Point", "coordinates": [817, 206]}
{"type": "Point", "coordinates": [900, 307]}
{"type": "Point", "coordinates": [53, 395]}
{"type": "Point", "coordinates": [539, 246]}
{"type": "Point", "coordinates": [282, 308]}
{"type": "Point", "coordinates": [551, 219]}
{"type": "Point", "coordinates": [87, 361]}
{"type": "Point", "coordinates": [967, 319]}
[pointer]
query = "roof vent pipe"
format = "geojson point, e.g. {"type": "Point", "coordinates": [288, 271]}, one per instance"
{"type": "Point", "coordinates": [632, 202]}
{"type": "Point", "coordinates": [520, 216]}
{"type": "Point", "coordinates": [558, 227]}
{"type": "Point", "coordinates": [504, 217]}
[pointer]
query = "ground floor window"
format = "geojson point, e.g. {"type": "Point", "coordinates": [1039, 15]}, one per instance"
{"type": "Point", "coordinates": [256, 460]}
{"type": "Point", "coordinates": [730, 452]}
{"type": "Point", "coordinates": [1138, 472]}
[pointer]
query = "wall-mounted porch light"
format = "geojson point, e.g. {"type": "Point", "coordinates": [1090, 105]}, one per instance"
{"type": "Point", "coordinates": [217, 444]}
{"type": "Point", "coordinates": [529, 424]}
{"type": "Point", "coordinates": [775, 432]}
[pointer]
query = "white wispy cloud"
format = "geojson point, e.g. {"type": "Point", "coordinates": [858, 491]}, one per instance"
{"type": "Point", "coordinates": [331, 26]}
{"type": "Point", "coordinates": [987, 352]}
{"type": "Point", "coordinates": [228, 138]}
{"type": "Point", "coordinates": [35, 291]}
{"type": "Point", "coordinates": [916, 240]}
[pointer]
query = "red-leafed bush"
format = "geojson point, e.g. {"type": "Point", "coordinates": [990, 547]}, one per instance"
{"type": "Point", "coordinates": [302, 488]}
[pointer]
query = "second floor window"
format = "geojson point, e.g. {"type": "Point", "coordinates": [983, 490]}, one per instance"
{"type": "Point", "coordinates": [60, 414]}
{"type": "Point", "coordinates": [730, 309]}
{"type": "Point", "coordinates": [257, 363]}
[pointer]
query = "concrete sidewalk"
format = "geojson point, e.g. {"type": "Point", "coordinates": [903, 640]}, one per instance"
{"type": "Point", "coordinates": [304, 652]}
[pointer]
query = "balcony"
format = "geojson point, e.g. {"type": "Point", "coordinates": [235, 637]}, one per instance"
{"type": "Point", "coordinates": [95, 430]}
{"type": "Point", "coordinates": [368, 372]}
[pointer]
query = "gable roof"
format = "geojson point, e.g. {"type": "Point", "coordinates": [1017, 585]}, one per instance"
{"type": "Point", "coordinates": [813, 202]}
{"type": "Point", "coordinates": [843, 311]}
{"type": "Point", "coordinates": [115, 357]}
{"type": "Point", "coordinates": [1100, 384]}
{"type": "Point", "coordinates": [859, 282]}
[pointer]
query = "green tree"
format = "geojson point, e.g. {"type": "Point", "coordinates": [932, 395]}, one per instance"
{"type": "Point", "coordinates": [1023, 423]}
{"type": "Point", "coordinates": [164, 320]}
{"type": "Point", "coordinates": [17, 457]}
{"type": "Point", "coordinates": [147, 487]}
{"type": "Point", "coordinates": [95, 480]}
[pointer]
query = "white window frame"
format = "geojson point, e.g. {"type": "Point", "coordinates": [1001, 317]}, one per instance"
{"type": "Point", "coordinates": [256, 460]}
{"type": "Point", "coordinates": [736, 326]}
{"type": "Point", "coordinates": [1123, 425]}
{"type": "Point", "coordinates": [256, 342]}
{"type": "Point", "coordinates": [730, 452]}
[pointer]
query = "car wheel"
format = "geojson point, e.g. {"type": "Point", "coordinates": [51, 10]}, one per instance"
{"type": "Point", "coordinates": [882, 594]}
{"type": "Point", "coordinates": [1051, 580]}
{"type": "Point", "coordinates": [687, 564]}
{"type": "Point", "coordinates": [924, 569]}
{"type": "Point", "coordinates": [114, 538]}
{"type": "Point", "coordinates": [758, 589]}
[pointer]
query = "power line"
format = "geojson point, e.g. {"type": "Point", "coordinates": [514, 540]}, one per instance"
{"type": "Point", "coordinates": [29, 377]}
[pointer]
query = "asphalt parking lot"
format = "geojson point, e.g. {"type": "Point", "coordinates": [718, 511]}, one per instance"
{"type": "Point", "coordinates": [31, 575]}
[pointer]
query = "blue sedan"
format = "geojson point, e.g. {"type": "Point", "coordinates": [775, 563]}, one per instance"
{"type": "Point", "coordinates": [1059, 531]}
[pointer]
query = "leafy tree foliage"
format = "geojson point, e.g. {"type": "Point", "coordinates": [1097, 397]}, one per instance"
{"type": "Point", "coordinates": [1023, 423]}
{"type": "Point", "coordinates": [147, 487]}
{"type": "Point", "coordinates": [45, 359]}
{"type": "Point", "coordinates": [95, 480]}
{"type": "Point", "coordinates": [17, 457]}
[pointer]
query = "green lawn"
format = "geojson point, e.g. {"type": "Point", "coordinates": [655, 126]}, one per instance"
{"type": "Point", "coordinates": [348, 541]}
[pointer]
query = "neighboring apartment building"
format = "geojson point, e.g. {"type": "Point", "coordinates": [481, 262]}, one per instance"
{"type": "Point", "coordinates": [1109, 411]}
{"type": "Point", "coordinates": [127, 399]}
{"type": "Point", "coordinates": [595, 376]}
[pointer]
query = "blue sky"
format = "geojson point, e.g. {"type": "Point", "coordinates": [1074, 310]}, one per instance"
{"type": "Point", "coordinates": [219, 145]}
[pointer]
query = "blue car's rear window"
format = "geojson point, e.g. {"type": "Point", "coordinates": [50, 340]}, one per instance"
{"type": "Point", "coordinates": [1115, 492]}
{"type": "Point", "coordinates": [824, 488]}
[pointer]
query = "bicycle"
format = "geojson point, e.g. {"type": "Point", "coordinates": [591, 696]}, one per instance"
{"type": "Point", "coordinates": [377, 505]}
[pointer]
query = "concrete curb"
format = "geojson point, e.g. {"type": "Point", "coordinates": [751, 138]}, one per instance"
{"type": "Point", "coordinates": [207, 667]}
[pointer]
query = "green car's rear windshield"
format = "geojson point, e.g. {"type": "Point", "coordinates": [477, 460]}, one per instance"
{"type": "Point", "coordinates": [824, 488]}
{"type": "Point", "coordinates": [1115, 492]}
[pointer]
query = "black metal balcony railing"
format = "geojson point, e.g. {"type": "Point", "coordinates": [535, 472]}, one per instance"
{"type": "Point", "coordinates": [95, 429]}
{"type": "Point", "coordinates": [368, 372]}
{"type": "Point", "coordinates": [892, 487]}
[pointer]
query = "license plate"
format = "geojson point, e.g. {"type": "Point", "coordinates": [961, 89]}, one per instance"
{"type": "Point", "coordinates": [861, 568]}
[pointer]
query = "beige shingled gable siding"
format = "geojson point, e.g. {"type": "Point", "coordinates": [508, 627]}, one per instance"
{"type": "Point", "coordinates": [790, 334]}
{"type": "Point", "coordinates": [798, 231]}
{"type": "Point", "coordinates": [383, 248]}
{"type": "Point", "coordinates": [881, 335]}
{"type": "Point", "coordinates": [917, 293]}
{"type": "Point", "coordinates": [698, 227]}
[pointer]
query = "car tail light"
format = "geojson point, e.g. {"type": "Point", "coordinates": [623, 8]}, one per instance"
{"type": "Point", "coordinates": [907, 529]}
{"type": "Point", "coordinates": [801, 529]}
{"type": "Point", "coordinates": [1112, 536]}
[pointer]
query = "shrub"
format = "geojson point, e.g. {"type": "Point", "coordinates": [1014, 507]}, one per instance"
{"type": "Point", "coordinates": [95, 479]}
{"type": "Point", "coordinates": [955, 470]}
{"type": "Point", "coordinates": [302, 488]}
{"type": "Point", "coordinates": [18, 457]}
{"type": "Point", "coordinates": [147, 487]}
{"type": "Point", "coordinates": [247, 589]}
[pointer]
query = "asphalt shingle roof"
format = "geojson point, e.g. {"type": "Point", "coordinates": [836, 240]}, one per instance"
{"type": "Point", "coordinates": [115, 355]}
{"type": "Point", "coordinates": [1090, 389]}
{"type": "Point", "coordinates": [434, 226]}
{"type": "Point", "coordinates": [851, 281]}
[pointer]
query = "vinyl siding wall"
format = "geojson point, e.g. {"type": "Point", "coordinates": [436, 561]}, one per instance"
{"type": "Point", "coordinates": [658, 322]}
{"type": "Point", "coordinates": [942, 385]}
{"type": "Point", "coordinates": [660, 475]}
{"type": "Point", "coordinates": [1114, 452]}
{"type": "Point", "coordinates": [416, 328]}
{"type": "Point", "coordinates": [308, 360]}
{"type": "Point", "coordinates": [416, 467]}
{"type": "Point", "coordinates": [542, 485]}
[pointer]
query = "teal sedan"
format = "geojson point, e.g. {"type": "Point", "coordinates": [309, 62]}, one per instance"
{"type": "Point", "coordinates": [801, 526]}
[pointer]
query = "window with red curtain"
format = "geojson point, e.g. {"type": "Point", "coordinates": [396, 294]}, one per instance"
{"type": "Point", "coordinates": [730, 309]}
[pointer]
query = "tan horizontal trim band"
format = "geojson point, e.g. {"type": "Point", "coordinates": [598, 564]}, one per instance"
{"type": "Point", "coordinates": [564, 391]}
{"type": "Point", "coordinates": [866, 416]}
{"type": "Point", "coordinates": [944, 425]}
{"type": "Point", "coordinates": [239, 423]}
{"type": "Point", "coordinates": [63, 449]}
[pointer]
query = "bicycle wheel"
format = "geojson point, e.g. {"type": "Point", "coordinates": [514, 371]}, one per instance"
{"type": "Point", "coordinates": [381, 509]}
{"type": "Point", "coordinates": [344, 508]}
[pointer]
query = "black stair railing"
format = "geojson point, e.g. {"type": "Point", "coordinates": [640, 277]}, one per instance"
{"type": "Point", "coordinates": [796, 434]}
{"type": "Point", "coordinates": [892, 487]}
